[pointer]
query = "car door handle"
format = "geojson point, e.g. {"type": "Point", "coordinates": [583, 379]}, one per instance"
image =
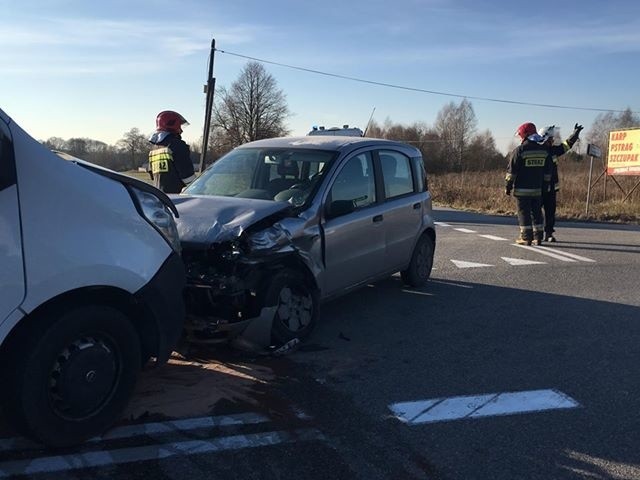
{"type": "Point", "coordinates": [416, 206]}
{"type": "Point", "coordinates": [377, 218]}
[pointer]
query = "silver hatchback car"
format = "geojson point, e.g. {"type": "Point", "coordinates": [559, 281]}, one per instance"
{"type": "Point", "coordinates": [277, 226]}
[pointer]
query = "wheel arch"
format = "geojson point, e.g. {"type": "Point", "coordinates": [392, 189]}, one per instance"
{"type": "Point", "coordinates": [123, 301]}
{"type": "Point", "coordinates": [431, 233]}
{"type": "Point", "coordinates": [296, 263]}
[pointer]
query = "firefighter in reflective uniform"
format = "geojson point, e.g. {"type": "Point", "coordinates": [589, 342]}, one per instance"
{"type": "Point", "coordinates": [550, 189]}
{"type": "Point", "coordinates": [529, 166]}
{"type": "Point", "coordinates": [170, 164]}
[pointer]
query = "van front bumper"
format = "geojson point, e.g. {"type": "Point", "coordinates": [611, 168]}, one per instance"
{"type": "Point", "coordinates": [163, 299]}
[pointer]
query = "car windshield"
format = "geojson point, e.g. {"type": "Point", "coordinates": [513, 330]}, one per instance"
{"type": "Point", "coordinates": [268, 174]}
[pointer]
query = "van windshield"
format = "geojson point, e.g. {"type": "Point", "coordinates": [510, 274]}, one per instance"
{"type": "Point", "coordinates": [268, 174]}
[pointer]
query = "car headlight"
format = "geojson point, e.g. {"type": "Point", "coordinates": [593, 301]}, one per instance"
{"type": "Point", "coordinates": [159, 216]}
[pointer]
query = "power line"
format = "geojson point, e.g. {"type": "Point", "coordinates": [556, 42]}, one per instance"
{"type": "Point", "coordinates": [421, 90]}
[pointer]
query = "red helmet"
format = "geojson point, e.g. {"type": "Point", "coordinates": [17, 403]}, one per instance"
{"type": "Point", "coordinates": [170, 121]}
{"type": "Point", "coordinates": [526, 129]}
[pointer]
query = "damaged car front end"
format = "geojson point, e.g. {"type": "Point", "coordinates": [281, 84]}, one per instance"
{"type": "Point", "coordinates": [245, 271]}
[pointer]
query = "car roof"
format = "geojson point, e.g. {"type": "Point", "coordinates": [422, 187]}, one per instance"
{"type": "Point", "coordinates": [329, 142]}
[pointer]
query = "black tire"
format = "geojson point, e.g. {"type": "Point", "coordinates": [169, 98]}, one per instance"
{"type": "Point", "coordinates": [73, 376]}
{"type": "Point", "coordinates": [297, 303]}
{"type": "Point", "coordinates": [419, 270]}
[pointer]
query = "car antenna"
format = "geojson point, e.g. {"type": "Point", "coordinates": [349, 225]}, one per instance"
{"type": "Point", "coordinates": [369, 123]}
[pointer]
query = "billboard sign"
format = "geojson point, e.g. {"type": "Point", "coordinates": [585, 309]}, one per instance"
{"type": "Point", "coordinates": [624, 152]}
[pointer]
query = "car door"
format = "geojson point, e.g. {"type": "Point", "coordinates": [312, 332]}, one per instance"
{"type": "Point", "coordinates": [354, 237]}
{"type": "Point", "coordinates": [403, 208]}
{"type": "Point", "coordinates": [12, 286]}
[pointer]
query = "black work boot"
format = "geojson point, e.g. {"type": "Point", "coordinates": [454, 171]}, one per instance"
{"type": "Point", "coordinates": [538, 238]}
{"type": "Point", "coordinates": [548, 237]}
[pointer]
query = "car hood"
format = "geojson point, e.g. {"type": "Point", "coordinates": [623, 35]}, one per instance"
{"type": "Point", "coordinates": [205, 220]}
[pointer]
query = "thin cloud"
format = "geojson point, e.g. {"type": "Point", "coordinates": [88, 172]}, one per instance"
{"type": "Point", "coordinates": [95, 46]}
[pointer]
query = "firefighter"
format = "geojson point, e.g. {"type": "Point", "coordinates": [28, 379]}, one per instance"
{"type": "Point", "coordinates": [170, 164]}
{"type": "Point", "coordinates": [529, 166]}
{"type": "Point", "coordinates": [550, 189]}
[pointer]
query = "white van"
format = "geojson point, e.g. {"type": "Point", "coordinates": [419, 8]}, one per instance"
{"type": "Point", "coordinates": [91, 287]}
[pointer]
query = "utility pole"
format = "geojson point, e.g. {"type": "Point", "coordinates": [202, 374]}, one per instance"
{"type": "Point", "coordinates": [209, 89]}
{"type": "Point", "coordinates": [594, 152]}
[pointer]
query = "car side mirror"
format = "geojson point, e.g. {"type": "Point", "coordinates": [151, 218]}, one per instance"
{"type": "Point", "coordinates": [338, 208]}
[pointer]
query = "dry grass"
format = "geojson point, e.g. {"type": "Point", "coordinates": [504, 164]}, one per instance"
{"type": "Point", "coordinates": [144, 176]}
{"type": "Point", "coordinates": [484, 192]}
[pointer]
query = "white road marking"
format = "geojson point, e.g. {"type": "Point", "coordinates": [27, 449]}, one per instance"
{"type": "Point", "coordinates": [463, 264]}
{"type": "Point", "coordinates": [153, 428]}
{"type": "Point", "coordinates": [573, 255]}
{"type": "Point", "coordinates": [493, 237]}
{"type": "Point", "coordinates": [450, 283]}
{"type": "Point", "coordinates": [477, 406]}
{"type": "Point", "coordinates": [442, 224]}
{"type": "Point", "coordinates": [465, 230]}
{"type": "Point", "coordinates": [417, 292]}
{"type": "Point", "coordinates": [520, 261]}
{"type": "Point", "coordinates": [544, 251]}
{"type": "Point", "coordinates": [100, 458]}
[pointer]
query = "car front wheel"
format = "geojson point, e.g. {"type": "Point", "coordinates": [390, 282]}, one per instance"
{"type": "Point", "coordinates": [419, 270]}
{"type": "Point", "coordinates": [296, 306]}
{"type": "Point", "coordinates": [74, 375]}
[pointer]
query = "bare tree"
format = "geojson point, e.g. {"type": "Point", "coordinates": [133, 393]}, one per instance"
{"type": "Point", "coordinates": [252, 109]}
{"type": "Point", "coordinates": [605, 122]}
{"type": "Point", "coordinates": [483, 154]}
{"type": "Point", "coordinates": [456, 127]}
{"type": "Point", "coordinates": [55, 143]}
{"type": "Point", "coordinates": [137, 147]}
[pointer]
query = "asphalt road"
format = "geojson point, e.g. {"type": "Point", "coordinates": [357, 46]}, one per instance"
{"type": "Point", "coordinates": [497, 320]}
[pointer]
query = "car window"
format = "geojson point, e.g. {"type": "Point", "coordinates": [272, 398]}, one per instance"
{"type": "Point", "coordinates": [355, 182]}
{"type": "Point", "coordinates": [228, 176]}
{"type": "Point", "coordinates": [287, 174]}
{"type": "Point", "coordinates": [420, 174]}
{"type": "Point", "coordinates": [396, 174]}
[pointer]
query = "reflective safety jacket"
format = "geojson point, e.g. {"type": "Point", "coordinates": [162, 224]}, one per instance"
{"type": "Point", "coordinates": [170, 164]}
{"type": "Point", "coordinates": [557, 151]}
{"type": "Point", "coordinates": [529, 167]}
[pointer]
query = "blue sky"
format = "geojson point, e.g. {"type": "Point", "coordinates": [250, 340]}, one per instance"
{"type": "Point", "coordinates": [72, 68]}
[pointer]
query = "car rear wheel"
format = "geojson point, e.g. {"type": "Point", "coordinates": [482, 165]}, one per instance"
{"type": "Point", "coordinates": [296, 306]}
{"type": "Point", "coordinates": [419, 270]}
{"type": "Point", "coordinates": [73, 376]}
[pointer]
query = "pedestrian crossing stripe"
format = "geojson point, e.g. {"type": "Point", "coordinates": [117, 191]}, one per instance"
{"type": "Point", "coordinates": [572, 255]}
{"type": "Point", "coordinates": [544, 251]}
{"type": "Point", "coordinates": [494, 237]}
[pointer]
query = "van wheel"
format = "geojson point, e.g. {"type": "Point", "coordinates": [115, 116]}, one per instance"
{"type": "Point", "coordinates": [73, 377]}
{"type": "Point", "coordinates": [419, 270]}
{"type": "Point", "coordinates": [297, 306]}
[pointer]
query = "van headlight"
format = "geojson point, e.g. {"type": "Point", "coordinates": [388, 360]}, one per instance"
{"type": "Point", "coordinates": [159, 216]}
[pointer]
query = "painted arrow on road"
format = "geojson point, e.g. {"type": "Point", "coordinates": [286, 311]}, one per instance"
{"type": "Point", "coordinates": [520, 261]}
{"type": "Point", "coordinates": [463, 264]}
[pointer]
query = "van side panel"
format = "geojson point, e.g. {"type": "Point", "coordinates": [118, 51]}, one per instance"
{"type": "Point", "coordinates": [79, 228]}
{"type": "Point", "coordinates": [11, 268]}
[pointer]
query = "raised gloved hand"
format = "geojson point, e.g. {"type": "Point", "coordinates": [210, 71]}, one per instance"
{"type": "Point", "coordinates": [573, 138]}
